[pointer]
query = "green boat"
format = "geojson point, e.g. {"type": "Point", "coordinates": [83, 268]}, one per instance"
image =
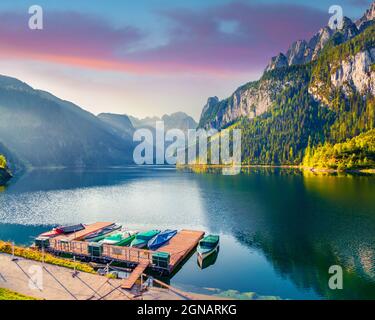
{"type": "Point", "coordinates": [141, 239]}
{"type": "Point", "coordinates": [121, 239]}
{"type": "Point", "coordinates": [207, 247]}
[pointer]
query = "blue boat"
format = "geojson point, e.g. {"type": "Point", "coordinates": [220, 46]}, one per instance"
{"type": "Point", "coordinates": [161, 239]}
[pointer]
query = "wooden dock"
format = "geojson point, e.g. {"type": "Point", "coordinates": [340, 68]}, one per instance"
{"type": "Point", "coordinates": [134, 276]}
{"type": "Point", "coordinates": [181, 245]}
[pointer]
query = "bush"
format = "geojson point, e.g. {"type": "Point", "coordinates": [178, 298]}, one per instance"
{"type": "Point", "coordinates": [3, 161]}
{"type": "Point", "coordinates": [36, 255]}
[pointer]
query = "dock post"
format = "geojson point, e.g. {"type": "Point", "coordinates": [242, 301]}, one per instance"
{"type": "Point", "coordinates": [43, 256]}
{"type": "Point", "coordinates": [75, 273]}
{"type": "Point", "coordinates": [13, 256]}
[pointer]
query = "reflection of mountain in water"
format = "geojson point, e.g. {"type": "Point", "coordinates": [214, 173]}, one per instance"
{"type": "Point", "coordinates": [69, 179]}
{"type": "Point", "coordinates": [303, 225]}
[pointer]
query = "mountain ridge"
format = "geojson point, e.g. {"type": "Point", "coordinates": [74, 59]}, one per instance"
{"type": "Point", "coordinates": [327, 99]}
{"type": "Point", "coordinates": [54, 132]}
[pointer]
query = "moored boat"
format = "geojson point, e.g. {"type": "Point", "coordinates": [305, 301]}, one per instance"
{"type": "Point", "coordinates": [141, 239]}
{"type": "Point", "coordinates": [208, 246]}
{"type": "Point", "coordinates": [62, 230]}
{"type": "Point", "coordinates": [161, 239]}
{"type": "Point", "coordinates": [70, 229]}
{"type": "Point", "coordinates": [102, 233]}
{"type": "Point", "coordinates": [122, 239]}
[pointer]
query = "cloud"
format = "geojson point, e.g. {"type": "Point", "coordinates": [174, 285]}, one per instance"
{"type": "Point", "coordinates": [224, 39]}
{"type": "Point", "coordinates": [197, 39]}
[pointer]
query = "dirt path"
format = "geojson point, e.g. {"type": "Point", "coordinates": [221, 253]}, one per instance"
{"type": "Point", "coordinates": [58, 283]}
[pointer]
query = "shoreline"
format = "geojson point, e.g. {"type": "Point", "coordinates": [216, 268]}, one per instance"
{"type": "Point", "coordinates": [249, 166]}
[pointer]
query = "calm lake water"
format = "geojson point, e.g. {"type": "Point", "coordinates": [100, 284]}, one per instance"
{"type": "Point", "coordinates": [280, 230]}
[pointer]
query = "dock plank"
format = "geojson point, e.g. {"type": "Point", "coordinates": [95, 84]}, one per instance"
{"type": "Point", "coordinates": [134, 276]}
{"type": "Point", "coordinates": [181, 245]}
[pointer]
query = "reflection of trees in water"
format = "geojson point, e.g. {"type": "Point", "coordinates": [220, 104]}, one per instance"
{"type": "Point", "coordinates": [307, 264]}
{"type": "Point", "coordinates": [303, 227]}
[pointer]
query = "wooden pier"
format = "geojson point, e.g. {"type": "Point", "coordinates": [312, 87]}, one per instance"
{"type": "Point", "coordinates": [134, 276]}
{"type": "Point", "coordinates": [179, 247]}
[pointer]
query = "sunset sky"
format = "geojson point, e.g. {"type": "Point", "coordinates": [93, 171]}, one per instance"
{"type": "Point", "coordinates": [150, 57]}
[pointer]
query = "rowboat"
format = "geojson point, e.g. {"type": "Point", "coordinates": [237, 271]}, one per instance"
{"type": "Point", "coordinates": [141, 239]}
{"type": "Point", "coordinates": [122, 239]}
{"type": "Point", "coordinates": [70, 229]}
{"type": "Point", "coordinates": [62, 230]}
{"type": "Point", "coordinates": [209, 261]}
{"type": "Point", "coordinates": [208, 246]}
{"type": "Point", "coordinates": [102, 233]}
{"type": "Point", "coordinates": [161, 239]}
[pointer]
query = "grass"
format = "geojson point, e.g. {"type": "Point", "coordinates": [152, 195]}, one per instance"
{"type": "Point", "coordinates": [6, 294]}
{"type": "Point", "coordinates": [33, 254]}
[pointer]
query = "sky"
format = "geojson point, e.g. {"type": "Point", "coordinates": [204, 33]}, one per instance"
{"type": "Point", "coordinates": [151, 57]}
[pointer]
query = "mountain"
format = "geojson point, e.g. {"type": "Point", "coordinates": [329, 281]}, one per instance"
{"type": "Point", "coordinates": [367, 19]}
{"type": "Point", "coordinates": [319, 91]}
{"type": "Point", "coordinates": [42, 130]}
{"type": "Point", "coordinates": [302, 52]}
{"type": "Point", "coordinates": [119, 124]}
{"type": "Point", "coordinates": [177, 120]}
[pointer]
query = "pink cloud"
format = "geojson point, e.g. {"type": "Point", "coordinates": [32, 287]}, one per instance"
{"type": "Point", "coordinates": [196, 43]}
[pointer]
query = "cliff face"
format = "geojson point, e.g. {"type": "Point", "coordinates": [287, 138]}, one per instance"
{"type": "Point", "coordinates": [351, 73]}
{"type": "Point", "coordinates": [354, 74]}
{"type": "Point", "coordinates": [250, 101]}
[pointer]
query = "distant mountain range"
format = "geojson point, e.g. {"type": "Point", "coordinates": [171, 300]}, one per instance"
{"type": "Point", "coordinates": [320, 91]}
{"type": "Point", "coordinates": [177, 120]}
{"type": "Point", "coordinates": [38, 129]}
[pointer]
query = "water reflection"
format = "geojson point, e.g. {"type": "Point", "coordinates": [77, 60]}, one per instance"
{"type": "Point", "coordinates": [280, 230]}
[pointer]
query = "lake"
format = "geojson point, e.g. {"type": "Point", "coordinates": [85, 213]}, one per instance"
{"type": "Point", "coordinates": [280, 229]}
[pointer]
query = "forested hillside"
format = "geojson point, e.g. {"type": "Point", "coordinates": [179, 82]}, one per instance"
{"type": "Point", "coordinates": [323, 102]}
{"type": "Point", "coordinates": [356, 153]}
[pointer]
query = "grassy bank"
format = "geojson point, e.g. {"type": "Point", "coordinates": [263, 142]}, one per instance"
{"type": "Point", "coordinates": [36, 255]}
{"type": "Point", "coordinates": [6, 294]}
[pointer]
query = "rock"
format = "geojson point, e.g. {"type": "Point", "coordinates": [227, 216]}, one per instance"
{"type": "Point", "coordinates": [297, 53]}
{"type": "Point", "coordinates": [301, 52]}
{"type": "Point", "coordinates": [354, 74]}
{"type": "Point", "coordinates": [277, 62]}
{"type": "Point", "coordinates": [367, 19]}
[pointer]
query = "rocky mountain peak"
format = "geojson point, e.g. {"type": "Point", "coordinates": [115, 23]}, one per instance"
{"type": "Point", "coordinates": [211, 101]}
{"type": "Point", "coordinates": [301, 51]}
{"type": "Point", "coordinates": [367, 19]}
{"type": "Point", "coordinates": [277, 62]}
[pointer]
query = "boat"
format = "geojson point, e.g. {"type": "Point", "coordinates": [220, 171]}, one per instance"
{"type": "Point", "coordinates": [122, 239]}
{"type": "Point", "coordinates": [62, 230]}
{"type": "Point", "coordinates": [209, 261]}
{"type": "Point", "coordinates": [70, 229]}
{"type": "Point", "coordinates": [208, 246]}
{"type": "Point", "coordinates": [102, 233]}
{"type": "Point", "coordinates": [50, 234]}
{"type": "Point", "coordinates": [141, 239]}
{"type": "Point", "coordinates": [161, 239]}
